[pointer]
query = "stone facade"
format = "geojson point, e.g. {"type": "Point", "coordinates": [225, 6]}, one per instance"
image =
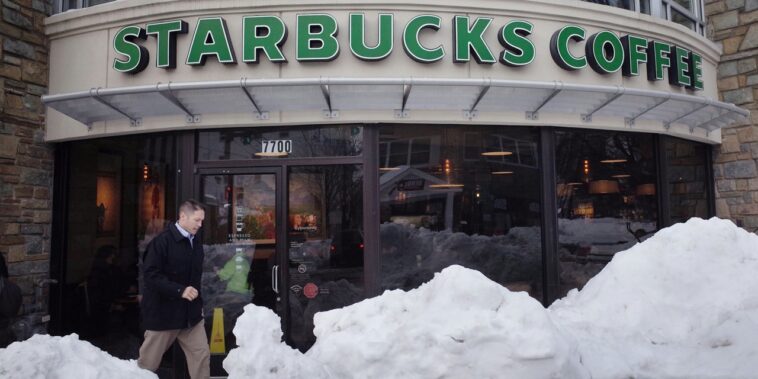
{"type": "Point", "coordinates": [734, 23]}
{"type": "Point", "coordinates": [26, 161]}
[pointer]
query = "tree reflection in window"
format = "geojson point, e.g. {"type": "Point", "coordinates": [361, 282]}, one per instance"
{"type": "Point", "coordinates": [606, 188]}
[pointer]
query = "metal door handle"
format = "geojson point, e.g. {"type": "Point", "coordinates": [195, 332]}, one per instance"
{"type": "Point", "coordinates": [275, 278]}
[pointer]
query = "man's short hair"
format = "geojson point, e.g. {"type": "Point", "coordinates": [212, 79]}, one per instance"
{"type": "Point", "coordinates": [190, 206]}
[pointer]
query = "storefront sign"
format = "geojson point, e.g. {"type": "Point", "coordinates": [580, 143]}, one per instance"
{"type": "Point", "coordinates": [571, 48]}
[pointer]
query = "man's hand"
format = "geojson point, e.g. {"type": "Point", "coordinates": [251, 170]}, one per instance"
{"type": "Point", "coordinates": [190, 293]}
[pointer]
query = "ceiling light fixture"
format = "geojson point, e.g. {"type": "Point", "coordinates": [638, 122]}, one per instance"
{"type": "Point", "coordinates": [446, 185]}
{"type": "Point", "coordinates": [497, 153]}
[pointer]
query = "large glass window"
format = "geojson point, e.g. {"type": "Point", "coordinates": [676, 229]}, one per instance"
{"type": "Point", "coordinates": [262, 143]}
{"type": "Point", "coordinates": [121, 193]}
{"type": "Point", "coordinates": [688, 179]}
{"type": "Point", "coordinates": [466, 195]}
{"type": "Point", "coordinates": [606, 188]}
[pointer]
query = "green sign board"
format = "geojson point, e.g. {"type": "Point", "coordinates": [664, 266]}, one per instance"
{"type": "Point", "coordinates": [263, 37]}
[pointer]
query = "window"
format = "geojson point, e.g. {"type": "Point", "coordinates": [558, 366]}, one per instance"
{"type": "Point", "coordinates": [684, 12]}
{"type": "Point", "coordinates": [473, 202]}
{"type": "Point", "coordinates": [66, 5]}
{"type": "Point", "coordinates": [606, 193]}
{"type": "Point", "coordinates": [414, 152]}
{"type": "Point", "coordinates": [257, 143]}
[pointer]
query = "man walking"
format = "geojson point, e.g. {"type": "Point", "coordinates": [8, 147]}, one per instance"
{"type": "Point", "coordinates": [172, 308]}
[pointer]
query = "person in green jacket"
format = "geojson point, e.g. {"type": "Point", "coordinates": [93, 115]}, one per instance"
{"type": "Point", "coordinates": [235, 272]}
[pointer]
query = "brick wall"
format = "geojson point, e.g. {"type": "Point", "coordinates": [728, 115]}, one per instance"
{"type": "Point", "coordinates": [734, 23]}
{"type": "Point", "coordinates": [26, 162]}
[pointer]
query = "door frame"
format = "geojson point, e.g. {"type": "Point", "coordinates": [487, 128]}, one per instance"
{"type": "Point", "coordinates": [280, 247]}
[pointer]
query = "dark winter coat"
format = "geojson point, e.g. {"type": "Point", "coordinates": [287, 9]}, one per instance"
{"type": "Point", "coordinates": [10, 302]}
{"type": "Point", "coordinates": [171, 264]}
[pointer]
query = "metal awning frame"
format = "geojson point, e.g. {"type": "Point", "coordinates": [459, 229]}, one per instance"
{"type": "Point", "coordinates": [725, 113]}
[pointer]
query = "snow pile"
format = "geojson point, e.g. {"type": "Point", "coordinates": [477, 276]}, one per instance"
{"type": "Point", "coordinates": [261, 354]}
{"type": "Point", "coordinates": [514, 257]}
{"type": "Point", "coordinates": [607, 230]}
{"type": "Point", "coordinates": [682, 304]}
{"type": "Point", "coordinates": [460, 324]}
{"type": "Point", "coordinates": [43, 356]}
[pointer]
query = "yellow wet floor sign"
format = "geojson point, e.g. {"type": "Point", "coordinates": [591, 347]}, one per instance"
{"type": "Point", "coordinates": [218, 344]}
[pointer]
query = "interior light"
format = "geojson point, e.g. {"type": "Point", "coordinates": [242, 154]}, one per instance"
{"type": "Point", "coordinates": [613, 161]}
{"type": "Point", "coordinates": [604, 186]}
{"type": "Point", "coordinates": [647, 189]}
{"type": "Point", "coordinates": [271, 155]}
{"type": "Point", "coordinates": [446, 185]}
{"type": "Point", "coordinates": [620, 176]}
{"type": "Point", "coordinates": [145, 172]}
{"type": "Point", "coordinates": [496, 153]}
{"type": "Point", "coordinates": [502, 172]}
{"type": "Point", "coordinates": [389, 168]}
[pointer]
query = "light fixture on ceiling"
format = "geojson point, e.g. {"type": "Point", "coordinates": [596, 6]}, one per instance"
{"type": "Point", "coordinates": [502, 172]}
{"type": "Point", "coordinates": [446, 185]}
{"type": "Point", "coordinates": [621, 160]}
{"type": "Point", "coordinates": [620, 176]}
{"type": "Point", "coordinates": [385, 169]}
{"type": "Point", "coordinates": [497, 153]}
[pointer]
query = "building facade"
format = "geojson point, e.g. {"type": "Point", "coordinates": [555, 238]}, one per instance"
{"type": "Point", "coordinates": [345, 149]}
{"type": "Point", "coordinates": [26, 160]}
{"type": "Point", "coordinates": [733, 23]}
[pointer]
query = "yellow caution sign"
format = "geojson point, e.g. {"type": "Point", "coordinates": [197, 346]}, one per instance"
{"type": "Point", "coordinates": [218, 344]}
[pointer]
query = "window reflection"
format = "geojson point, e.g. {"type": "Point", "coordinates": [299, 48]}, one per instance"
{"type": "Point", "coordinates": [626, 4]}
{"type": "Point", "coordinates": [239, 240]}
{"type": "Point", "coordinates": [462, 195]}
{"type": "Point", "coordinates": [264, 143]}
{"type": "Point", "coordinates": [325, 243]}
{"type": "Point", "coordinates": [606, 199]}
{"type": "Point", "coordinates": [687, 176]}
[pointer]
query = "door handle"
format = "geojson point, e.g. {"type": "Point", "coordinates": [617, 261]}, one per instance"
{"type": "Point", "coordinates": [275, 278]}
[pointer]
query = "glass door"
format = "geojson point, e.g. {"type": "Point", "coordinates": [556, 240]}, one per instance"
{"type": "Point", "coordinates": [325, 244]}
{"type": "Point", "coordinates": [242, 246]}
{"type": "Point", "coordinates": [289, 238]}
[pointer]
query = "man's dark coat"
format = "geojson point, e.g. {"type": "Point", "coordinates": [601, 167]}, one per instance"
{"type": "Point", "coordinates": [171, 265]}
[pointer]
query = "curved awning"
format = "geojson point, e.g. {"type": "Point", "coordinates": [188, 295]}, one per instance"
{"type": "Point", "coordinates": [397, 95]}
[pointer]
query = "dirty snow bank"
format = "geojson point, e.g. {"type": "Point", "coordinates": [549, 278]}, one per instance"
{"type": "Point", "coordinates": [43, 356]}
